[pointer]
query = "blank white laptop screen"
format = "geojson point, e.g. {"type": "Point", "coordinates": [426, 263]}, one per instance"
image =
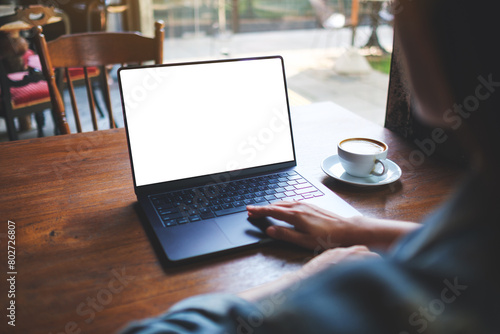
{"type": "Point", "coordinates": [198, 119]}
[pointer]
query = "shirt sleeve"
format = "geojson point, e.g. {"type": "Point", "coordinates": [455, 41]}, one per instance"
{"type": "Point", "coordinates": [376, 296]}
{"type": "Point", "coordinates": [203, 314]}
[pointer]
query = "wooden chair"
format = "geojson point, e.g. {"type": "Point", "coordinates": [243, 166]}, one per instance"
{"type": "Point", "coordinates": [337, 14]}
{"type": "Point", "coordinates": [92, 49]}
{"type": "Point", "coordinates": [103, 8]}
{"type": "Point", "coordinates": [22, 94]}
{"type": "Point", "coordinates": [100, 9]}
{"type": "Point", "coordinates": [26, 17]}
{"type": "Point", "coordinates": [25, 93]}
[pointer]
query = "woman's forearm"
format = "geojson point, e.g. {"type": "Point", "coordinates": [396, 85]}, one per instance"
{"type": "Point", "coordinates": [378, 233]}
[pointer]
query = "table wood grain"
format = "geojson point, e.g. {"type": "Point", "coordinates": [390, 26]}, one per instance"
{"type": "Point", "coordinates": [84, 261]}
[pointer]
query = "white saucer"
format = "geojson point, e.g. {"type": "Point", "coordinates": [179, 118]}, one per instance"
{"type": "Point", "coordinates": [332, 167]}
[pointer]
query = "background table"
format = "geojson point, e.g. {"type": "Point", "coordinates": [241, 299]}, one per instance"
{"type": "Point", "coordinates": [84, 261]}
{"type": "Point", "coordinates": [375, 7]}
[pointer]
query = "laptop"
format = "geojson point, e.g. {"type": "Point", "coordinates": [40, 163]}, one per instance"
{"type": "Point", "coordinates": [206, 139]}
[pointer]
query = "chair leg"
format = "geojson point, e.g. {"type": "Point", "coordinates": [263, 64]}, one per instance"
{"type": "Point", "coordinates": [107, 98]}
{"type": "Point", "coordinates": [24, 123]}
{"type": "Point", "coordinates": [353, 36]}
{"type": "Point", "coordinates": [54, 120]}
{"type": "Point", "coordinates": [96, 87]}
{"type": "Point", "coordinates": [11, 128]}
{"type": "Point", "coordinates": [40, 123]}
{"type": "Point", "coordinates": [103, 82]}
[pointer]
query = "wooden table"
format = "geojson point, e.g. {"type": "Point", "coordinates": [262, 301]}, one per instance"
{"type": "Point", "coordinates": [83, 260]}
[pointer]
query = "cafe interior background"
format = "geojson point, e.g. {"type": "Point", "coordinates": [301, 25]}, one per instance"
{"type": "Point", "coordinates": [322, 62]}
{"type": "Point", "coordinates": [327, 58]}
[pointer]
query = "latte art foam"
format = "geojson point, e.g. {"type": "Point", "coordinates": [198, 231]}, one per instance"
{"type": "Point", "coordinates": [362, 147]}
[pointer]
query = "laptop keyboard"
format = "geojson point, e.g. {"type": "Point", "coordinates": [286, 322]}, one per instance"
{"type": "Point", "coordinates": [214, 200]}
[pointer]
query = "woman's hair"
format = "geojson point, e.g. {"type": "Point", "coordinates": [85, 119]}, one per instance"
{"type": "Point", "coordinates": [460, 67]}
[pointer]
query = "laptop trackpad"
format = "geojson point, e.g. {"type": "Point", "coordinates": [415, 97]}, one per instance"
{"type": "Point", "coordinates": [193, 239]}
{"type": "Point", "coordinates": [239, 230]}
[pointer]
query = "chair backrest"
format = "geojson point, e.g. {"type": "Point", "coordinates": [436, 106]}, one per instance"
{"type": "Point", "coordinates": [324, 9]}
{"type": "Point", "coordinates": [27, 17]}
{"type": "Point", "coordinates": [102, 8]}
{"type": "Point", "coordinates": [93, 49]}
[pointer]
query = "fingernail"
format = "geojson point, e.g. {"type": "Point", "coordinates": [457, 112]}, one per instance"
{"type": "Point", "coordinates": [271, 231]}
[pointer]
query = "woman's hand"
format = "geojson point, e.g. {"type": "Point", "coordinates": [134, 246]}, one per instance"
{"type": "Point", "coordinates": [318, 229]}
{"type": "Point", "coordinates": [313, 226]}
{"type": "Point", "coordinates": [317, 264]}
{"type": "Point", "coordinates": [333, 256]}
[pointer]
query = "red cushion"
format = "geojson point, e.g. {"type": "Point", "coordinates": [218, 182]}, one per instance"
{"type": "Point", "coordinates": [35, 93]}
{"type": "Point", "coordinates": [76, 73]}
{"type": "Point", "coordinates": [31, 94]}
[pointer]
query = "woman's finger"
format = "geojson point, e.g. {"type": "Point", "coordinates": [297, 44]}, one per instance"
{"type": "Point", "coordinates": [280, 212]}
{"type": "Point", "coordinates": [290, 235]}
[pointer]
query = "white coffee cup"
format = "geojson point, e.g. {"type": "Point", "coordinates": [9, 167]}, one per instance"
{"type": "Point", "coordinates": [361, 157]}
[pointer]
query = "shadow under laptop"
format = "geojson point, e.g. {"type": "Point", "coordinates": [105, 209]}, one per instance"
{"type": "Point", "coordinates": [282, 251]}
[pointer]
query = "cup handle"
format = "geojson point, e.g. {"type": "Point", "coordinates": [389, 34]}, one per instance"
{"type": "Point", "coordinates": [383, 168]}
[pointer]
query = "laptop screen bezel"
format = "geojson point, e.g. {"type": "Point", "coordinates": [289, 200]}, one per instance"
{"type": "Point", "coordinates": [211, 178]}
